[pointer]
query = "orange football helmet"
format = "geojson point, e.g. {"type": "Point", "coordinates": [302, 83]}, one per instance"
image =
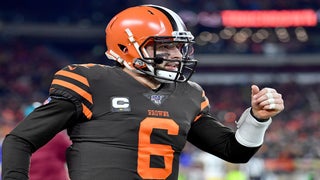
{"type": "Point", "coordinates": [130, 31]}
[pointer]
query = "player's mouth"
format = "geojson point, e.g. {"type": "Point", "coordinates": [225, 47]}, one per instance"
{"type": "Point", "coordinates": [171, 66]}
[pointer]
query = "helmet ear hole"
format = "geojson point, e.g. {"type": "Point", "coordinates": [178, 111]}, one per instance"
{"type": "Point", "coordinates": [123, 48]}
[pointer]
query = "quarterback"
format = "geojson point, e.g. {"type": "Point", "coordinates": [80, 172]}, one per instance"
{"type": "Point", "coordinates": [131, 121]}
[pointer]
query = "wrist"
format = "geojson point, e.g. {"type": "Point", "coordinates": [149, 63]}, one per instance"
{"type": "Point", "coordinates": [258, 119]}
{"type": "Point", "coordinates": [250, 132]}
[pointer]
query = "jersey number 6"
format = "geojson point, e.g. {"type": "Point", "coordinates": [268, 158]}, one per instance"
{"type": "Point", "coordinates": [146, 148]}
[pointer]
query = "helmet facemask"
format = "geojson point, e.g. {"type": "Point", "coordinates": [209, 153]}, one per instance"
{"type": "Point", "coordinates": [178, 70]}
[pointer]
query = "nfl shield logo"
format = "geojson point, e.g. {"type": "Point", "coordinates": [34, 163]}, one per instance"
{"type": "Point", "coordinates": [157, 99]}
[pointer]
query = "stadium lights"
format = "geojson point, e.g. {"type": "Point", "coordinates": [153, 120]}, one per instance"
{"type": "Point", "coordinates": [257, 26]}
{"type": "Point", "coordinates": [252, 18]}
{"type": "Point", "coordinates": [269, 18]}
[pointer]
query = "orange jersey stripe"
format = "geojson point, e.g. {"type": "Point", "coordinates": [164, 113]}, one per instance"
{"type": "Point", "coordinates": [86, 111]}
{"type": "Point", "coordinates": [73, 76]}
{"type": "Point", "coordinates": [195, 119]}
{"type": "Point", "coordinates": [205, 103]}
{"type": "Point", "coordinates": [74, 88]}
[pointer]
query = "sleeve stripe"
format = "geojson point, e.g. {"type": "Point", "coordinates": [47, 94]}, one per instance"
{"type": "Point", "coordinates": [205, 103]}
{"type": "Point", "coordinates": [86, 111]}
{"type": "Point", "coordinates": [74, 76]}
{"type": "Point", "coordinates": [74, 88]}
{"type": "Point", "coordinates": [196, 119]}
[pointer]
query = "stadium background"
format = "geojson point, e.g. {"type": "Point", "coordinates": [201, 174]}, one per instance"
{"type": "Point", "coordinates": [39, 37]}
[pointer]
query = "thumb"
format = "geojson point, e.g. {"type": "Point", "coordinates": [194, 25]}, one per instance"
{"type": "Point", "coordinates": [254, 90]}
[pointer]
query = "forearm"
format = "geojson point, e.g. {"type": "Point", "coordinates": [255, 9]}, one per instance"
{"type": "Point", "coordinates": [213, 137]}
{"type": "Point", "coordinates": [16, 154]}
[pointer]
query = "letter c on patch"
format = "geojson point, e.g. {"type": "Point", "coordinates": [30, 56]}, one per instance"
{"type": "Point", "coordinates": [120, 102]}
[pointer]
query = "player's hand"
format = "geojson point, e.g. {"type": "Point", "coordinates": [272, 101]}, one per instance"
{"type": "Point", "coordinates": [265, 103]}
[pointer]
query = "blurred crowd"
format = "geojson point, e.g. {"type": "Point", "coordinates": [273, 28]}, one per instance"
{"type": "Point", "coordinates": [26, 72]}
{"type": "Point", "coordinates": [202, 18]}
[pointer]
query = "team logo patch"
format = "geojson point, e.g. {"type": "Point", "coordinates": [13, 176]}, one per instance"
{"type": "Point", "coordinates": [120, 104]}
{"type": "Point", "coordinates": [156, 98]}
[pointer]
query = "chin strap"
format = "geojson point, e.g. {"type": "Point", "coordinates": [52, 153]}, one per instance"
{"type": "Point", "coordinates": [112, 55]}
{"type": "Point", "coordinates": [134, 42]}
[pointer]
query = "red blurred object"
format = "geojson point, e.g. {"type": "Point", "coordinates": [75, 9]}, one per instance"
{"type": "Point", "coordinates": [269, 18]}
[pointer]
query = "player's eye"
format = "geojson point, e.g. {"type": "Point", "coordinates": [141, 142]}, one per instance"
{"type": "Point", "coordinates": [162, 55]}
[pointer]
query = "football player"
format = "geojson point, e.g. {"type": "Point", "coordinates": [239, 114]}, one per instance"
{"type": "Point", "coordinates": [132, 121]}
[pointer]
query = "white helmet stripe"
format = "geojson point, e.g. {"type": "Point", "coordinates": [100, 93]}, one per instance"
{"type": "Point", "coordinates": [176, 21]}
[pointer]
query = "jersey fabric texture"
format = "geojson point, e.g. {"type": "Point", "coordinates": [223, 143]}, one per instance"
{"type": "Point", "coordinates": [122, 130]}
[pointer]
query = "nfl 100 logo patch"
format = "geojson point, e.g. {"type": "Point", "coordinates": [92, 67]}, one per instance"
{"type": "Point", "coordinates": [157, 99]}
